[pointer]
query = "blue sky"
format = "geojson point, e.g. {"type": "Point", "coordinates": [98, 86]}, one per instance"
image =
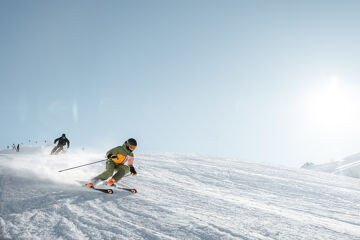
{"type": "Point", "coordinates": [261, 81]}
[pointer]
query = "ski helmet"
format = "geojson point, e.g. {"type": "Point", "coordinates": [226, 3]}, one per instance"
{"type": "Point", "coordinates": [63, 135]}
{"type": "Point", "coordinates": [131, 144]}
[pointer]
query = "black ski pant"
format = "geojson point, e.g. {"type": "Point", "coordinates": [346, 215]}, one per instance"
{"type": "Point", "coordinates": [57, 149]}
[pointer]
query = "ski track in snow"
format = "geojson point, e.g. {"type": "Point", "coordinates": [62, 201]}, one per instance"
{"type": "Point", "coordinates": [179, 197]}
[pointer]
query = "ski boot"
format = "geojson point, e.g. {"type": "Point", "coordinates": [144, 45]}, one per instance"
{"type": "Point", "coordinates": [111, 182]}
{"type": "Point", "coordinates": [92, 183]}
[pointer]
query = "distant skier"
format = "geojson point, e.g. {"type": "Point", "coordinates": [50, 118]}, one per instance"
{"type": "Point", "coordinates": [116, 160]}
{"type": "Point", "coordinates": [18, 148]}
{"type": "Point", "coordinates": [62, 141]}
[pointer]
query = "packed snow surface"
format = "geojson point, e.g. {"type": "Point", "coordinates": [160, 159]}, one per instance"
{"type": "Point", "coordinates": [180, 196]}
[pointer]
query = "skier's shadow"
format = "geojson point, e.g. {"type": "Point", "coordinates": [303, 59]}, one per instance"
{"type": "Point", "coordinates": [57, 198]}
{"type": "Point", "coordinates": [22, 191]}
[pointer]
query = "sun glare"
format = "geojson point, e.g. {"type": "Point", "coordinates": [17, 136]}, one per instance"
{"type": "Point", "coordinates": [330, 106]}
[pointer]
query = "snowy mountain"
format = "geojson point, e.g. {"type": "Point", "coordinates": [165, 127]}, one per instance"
{"type": "Point", "coordinates": [349, 166]}
{"type": "Point", "coordinates": [179, 197]}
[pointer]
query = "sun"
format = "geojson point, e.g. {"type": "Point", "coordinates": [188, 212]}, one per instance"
{"type": "Point", "coordinates": [330, 106]}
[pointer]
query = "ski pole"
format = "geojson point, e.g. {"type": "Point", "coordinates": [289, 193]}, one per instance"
{"type": "Point", "coordinates": [81, 165]}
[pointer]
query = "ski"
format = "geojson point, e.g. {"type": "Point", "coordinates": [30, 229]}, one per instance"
{"type": "Point", "coordinates": [125, 188]}
{"type": "Point", "coordinates": [108, 191]}
{"type": "Point", "coordinates": [121, 187]}
{"type": "Point", "coordinates": [132, 190]}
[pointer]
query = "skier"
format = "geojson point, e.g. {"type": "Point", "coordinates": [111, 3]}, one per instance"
{"type": "Point", "coordinates": [18, 148]}
{"type": "Point", "coordinates": [116, 160]}
{"type": "Point", "coordinates": [62, 141]}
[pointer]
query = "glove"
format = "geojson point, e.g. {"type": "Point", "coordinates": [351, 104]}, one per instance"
{"type": "Point", "coordinates": [112, 157]}
{"type": "Point", "coordinates": [132, 170]}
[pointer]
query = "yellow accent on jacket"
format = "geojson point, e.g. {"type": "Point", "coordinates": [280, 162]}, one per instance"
{"type": "Point", "coordinates": [119, 158]}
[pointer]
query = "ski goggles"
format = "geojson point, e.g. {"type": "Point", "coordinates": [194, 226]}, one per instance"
{"type": "Point", "coordinates": [132, 147]}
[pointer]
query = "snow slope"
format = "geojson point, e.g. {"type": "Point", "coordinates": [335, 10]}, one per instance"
{"type": "Point", "coordinates": [349, 166]}
{"type": "Point", "coordinates": [179, 197]}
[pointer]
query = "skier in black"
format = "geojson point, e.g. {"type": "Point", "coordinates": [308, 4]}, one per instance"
{"type": "Point", "coordinates": [62, 141]}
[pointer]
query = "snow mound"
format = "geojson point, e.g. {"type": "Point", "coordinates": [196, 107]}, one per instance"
{"type": "Point", "coordinates": [180, 196]}
{"type": "Point", "coordinates": [349, 166]}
